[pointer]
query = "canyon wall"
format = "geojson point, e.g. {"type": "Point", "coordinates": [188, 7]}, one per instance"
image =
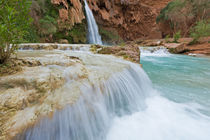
{"type": "Point", "coordinates": [118, 20]}
{"type": "Point", "coordinates": [56, 20]}
{"type": "Point", "coordinates": [132, 19]}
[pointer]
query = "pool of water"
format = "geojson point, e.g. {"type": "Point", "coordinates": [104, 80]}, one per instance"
{"type": "Point", "coordinates": [180, 108]}
{"type": "Point", "coordinates": [175, 107]}
{"type": "Point", "coordinates": [180, 78]}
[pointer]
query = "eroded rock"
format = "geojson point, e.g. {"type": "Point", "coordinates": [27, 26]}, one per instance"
{"type": "Point", "coordinates": [39, 90]}
{"type": "Point", "coordinates": [128, 52]}
{"type": "Point", "coordinates": [131, 18]}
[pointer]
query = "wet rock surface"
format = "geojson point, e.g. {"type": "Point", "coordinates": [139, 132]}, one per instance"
{"type": "Point", "coordinates": [49, 81]}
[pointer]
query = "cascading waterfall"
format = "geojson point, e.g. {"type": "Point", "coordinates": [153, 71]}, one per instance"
{"type": "Point", "coordinates": [91, 116]}
{"type": "Point", "coordinates": [93, 33]}
{"type": "Point", "coordinates": [123, 107]}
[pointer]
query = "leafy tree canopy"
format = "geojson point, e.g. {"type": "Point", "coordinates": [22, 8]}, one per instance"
{"type": "Point", "coordinates": [14, 23]}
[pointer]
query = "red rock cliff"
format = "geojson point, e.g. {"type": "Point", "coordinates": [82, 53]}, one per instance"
{"type": "Point", "coordinates": [132, 19]}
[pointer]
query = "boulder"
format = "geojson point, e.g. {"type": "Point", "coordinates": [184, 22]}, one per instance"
{"type": "Point", "coordinates": [63, 41]}
{"type": "Point", "coordinates": [176, 47]}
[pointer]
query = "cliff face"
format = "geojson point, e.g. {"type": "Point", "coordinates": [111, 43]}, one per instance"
{"type": "Point", "coordinates": [117, 19]}
{"type": "Point", "coordinates": [132, 19]}
{"type": "Point", "coordinates": [58, 19]}
{"type": "Point", "coordinates": [71, 12]}
{"type": "Point", "coordinates": [182, 15]}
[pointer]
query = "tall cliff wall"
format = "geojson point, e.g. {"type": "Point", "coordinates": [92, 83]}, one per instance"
{"type": "Point", "coordinates": [117, 19]}
{"type": "Point", "coordinates": [132, 19]}
{"type": "Point", "coordinates": [59, 19]}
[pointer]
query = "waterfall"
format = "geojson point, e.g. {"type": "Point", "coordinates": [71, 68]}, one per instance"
{"type": "Point", "coordinates": [121, 106]}
{"type": "Point", "coordinates": [91, 116]}
{"type": "Point", "coordinates": [93, 33]}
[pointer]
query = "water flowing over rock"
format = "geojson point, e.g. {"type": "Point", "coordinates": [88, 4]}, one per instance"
{"type": "Point", "coordinates": [90, 116]}
{"type": "Point", "coordinates": [93, 33]}
{"type": "Point", "coordinates": [65, 82]}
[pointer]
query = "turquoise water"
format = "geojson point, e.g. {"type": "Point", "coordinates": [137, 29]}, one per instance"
{"type": "Point", "coordinates": [180, 78]}
{"type": "Point", "coordinates": [129, 107]}
{"type": "Point", "coordinates": [180, 107]}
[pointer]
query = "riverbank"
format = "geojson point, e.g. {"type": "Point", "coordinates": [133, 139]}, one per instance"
{"type": "Point", "coordinates": [182, 47]}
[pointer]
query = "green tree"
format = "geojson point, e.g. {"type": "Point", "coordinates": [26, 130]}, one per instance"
{"type": "Point", "coordinates": [14, 23]}
{"type": "Point", "coordinates": [201, 29]}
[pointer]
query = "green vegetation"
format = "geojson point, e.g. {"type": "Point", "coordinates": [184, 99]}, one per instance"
{"type": "Point", "coordinates": [47, 27]}
{"type": "Point", "coordinates": [110, 36]}
{"type": "Point", "coordinates": [201, 29]}
{"type": "Point", "coordinates": [78, 33]}
{"type": "Point", "coordinates": [183, 14]}
{"type": "Point", "coordinates": [177, 36]}
{"type": "Point", "coordinates": [45, 17]}
{"type": "Point", "coordinates": [14, 23]}
{"type": "Point", "coordinates": [171, 9]}
{"type": "Point", "coordinates": [75, 35]}
{"type": "Point", "coordinates": [167, 38]}
{"type": "Point", "coordinates": [31, 36]}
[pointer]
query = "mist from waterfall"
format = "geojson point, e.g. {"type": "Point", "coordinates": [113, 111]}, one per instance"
{"type": "Point", "coordinates": [93, 33]}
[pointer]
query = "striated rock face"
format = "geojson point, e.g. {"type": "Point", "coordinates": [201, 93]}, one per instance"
{"type": "Point", "coordinates": [70, 13]}
{"type": "Point", "coordinates": [131, 18]}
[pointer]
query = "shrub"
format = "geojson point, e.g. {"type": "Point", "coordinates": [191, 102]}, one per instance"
{"type": "Point", "coordinates": [110, 36]}
{"type": "Point", "coordinates": [201, 29]}
{"type": "Point", "coordinates": [183, 14]}
{"type": "Point", "coordinates": [171, 9]}
{"type": "Point", "coordinates": [177, 36]}
{"type": "Point", "coordinates": [14, 23]}
{"type": "Point", "coordinates": [47, 26]}
{"type": "Point", "coordinates": [167, 39]}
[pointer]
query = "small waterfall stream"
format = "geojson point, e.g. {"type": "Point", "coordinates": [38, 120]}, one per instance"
{"type": "Point", "coordinates": [93, 33]}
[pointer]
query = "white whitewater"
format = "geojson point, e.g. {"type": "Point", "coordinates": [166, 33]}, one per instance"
{"type": "Point", "coordinates": [91, 116]}
{"type": "Point", "coordinates": [124, 107]}
{"type": "Point", "coordinates": [93, 33]}
{"type": "Point", "coordinates": [154, 51]}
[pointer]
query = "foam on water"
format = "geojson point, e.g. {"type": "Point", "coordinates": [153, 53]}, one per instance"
{"type": "Point", "coordinates": [91, 116]}
{"type": "Point", "coordinates": [154, 51]}
{"type": "Point", "coordinates": [123, 107]}
{"type": "Point", "coordinates": [162, 120]}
